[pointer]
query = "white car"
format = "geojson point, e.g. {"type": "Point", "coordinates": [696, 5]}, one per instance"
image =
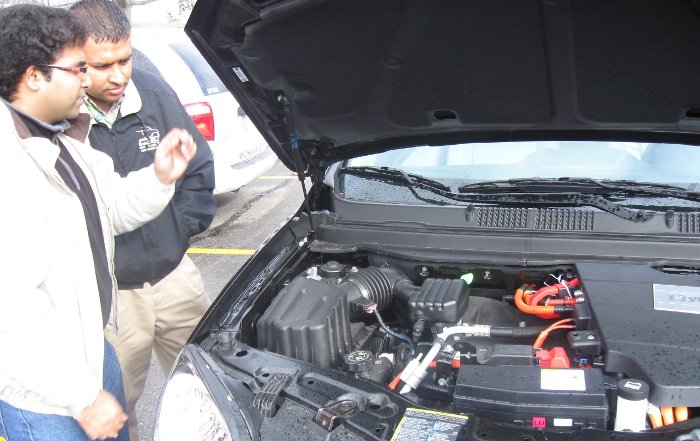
{"type": "Point", "coordinates": [240, 152]}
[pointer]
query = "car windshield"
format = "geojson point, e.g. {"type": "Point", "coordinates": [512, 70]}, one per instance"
{"type": "Point", "coordinates": [460, 164]}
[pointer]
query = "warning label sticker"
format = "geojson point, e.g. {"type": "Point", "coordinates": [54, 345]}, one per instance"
{"type": "Point", "coordinates": [563, 379]}
{"type": "Point", "coordinates": [424, 425]}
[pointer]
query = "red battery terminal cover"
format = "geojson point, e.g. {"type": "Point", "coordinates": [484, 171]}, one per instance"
{"type": "Point", "coordinates": [553, 358]}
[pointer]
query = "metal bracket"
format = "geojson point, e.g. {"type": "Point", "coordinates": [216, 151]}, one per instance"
{"type": "Point", "coordinates": [328, 417]}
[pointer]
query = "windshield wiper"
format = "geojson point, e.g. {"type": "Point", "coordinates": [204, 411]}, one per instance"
{"type": "Point", "coordinates": [580, 185]}
{"type": "Point", "coordinates": [397, 175]}
{"type": "Point", "coordinates": [506, 193]}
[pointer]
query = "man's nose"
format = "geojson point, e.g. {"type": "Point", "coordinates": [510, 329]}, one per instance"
{"type": "Point", "coordinates": [116, 76]}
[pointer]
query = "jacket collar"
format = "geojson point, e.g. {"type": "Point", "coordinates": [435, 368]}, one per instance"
{"type": "Point", "coordinates": [76, 128]}
{"type": "Point", "coordinates": [42, 150]}
{"type": "Point", "coordinates": [79, 127]}
{"type": "Point", "coordinates": [130, 104]}
{"type": "Point", "coordinates": [23, 130]}
{"type": "Point", "coordinates": [132, 99]}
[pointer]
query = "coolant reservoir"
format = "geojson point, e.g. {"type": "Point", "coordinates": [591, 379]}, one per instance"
{"type": "Point", "coordinates": [632, 404]}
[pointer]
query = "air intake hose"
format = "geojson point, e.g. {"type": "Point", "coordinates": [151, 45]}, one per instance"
{"type": "Point", "coordinates": [378, 285]}
{"type": "Point", "coordinates": [436, 300]}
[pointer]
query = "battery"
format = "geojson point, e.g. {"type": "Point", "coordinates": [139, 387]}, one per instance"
{"type": "Point", "coordinates": [540, 398]}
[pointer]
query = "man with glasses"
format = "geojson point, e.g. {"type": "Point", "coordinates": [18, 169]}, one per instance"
{"type": "Point", "coordinates": [74, 69]}
{"type": "Point", "coordinates": [161, 292]}
{"type": "Point", "coordinates": [62, 204]}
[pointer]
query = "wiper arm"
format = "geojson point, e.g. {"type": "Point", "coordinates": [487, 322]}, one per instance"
{"type": "Point", "coordinates": [580, 185]}
{"type": "Point", "coordinates": [413, 180]}
{"type": "Point", "coordinates": [473, 192]}
{"type": "Point", "coordinates": [648, 188]}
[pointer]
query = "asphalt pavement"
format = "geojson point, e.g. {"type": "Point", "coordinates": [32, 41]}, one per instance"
{"type": "Point", "coordinates": [243, 220]}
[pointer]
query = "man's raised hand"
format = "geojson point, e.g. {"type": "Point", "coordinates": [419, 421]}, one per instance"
{"type": "Point", "coordinates": [173, 154]}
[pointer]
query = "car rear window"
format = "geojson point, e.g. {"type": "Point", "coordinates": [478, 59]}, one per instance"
{"type": "Point", "coordinates": [207, 79]}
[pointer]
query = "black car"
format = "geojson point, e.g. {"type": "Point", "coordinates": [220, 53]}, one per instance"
{"type": "Point", "coordinates": [502, 236]}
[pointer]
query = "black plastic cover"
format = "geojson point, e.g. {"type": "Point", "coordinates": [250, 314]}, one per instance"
{"type": "Point", "coordinates": [440, 300]}
{"type": "Point", "coordinates": [310, 321]}
{"type": "Point", "coordinates": [506, 355]}
{"type": "Point", "coordinates": [563, 398]}
{"type": "Point", "coordinates": [654, 342]}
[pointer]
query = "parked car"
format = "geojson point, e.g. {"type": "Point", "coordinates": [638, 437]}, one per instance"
{"type": "Point", "coordinates": [502, 237]}
{"type": "Point", "coordinates": [240, 152]}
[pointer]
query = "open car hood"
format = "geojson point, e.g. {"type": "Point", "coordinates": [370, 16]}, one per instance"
{"type": "Point", "coordinates": [348, 78]}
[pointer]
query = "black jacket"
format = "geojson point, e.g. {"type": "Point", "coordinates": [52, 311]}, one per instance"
{"type": "Point", "coordinates": [152, 251]}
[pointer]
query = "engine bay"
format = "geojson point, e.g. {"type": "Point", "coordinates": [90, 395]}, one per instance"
{"type": "Point", "coordinates": [566, 347]}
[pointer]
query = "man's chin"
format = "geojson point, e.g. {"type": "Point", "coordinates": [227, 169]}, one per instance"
{"type": "Point", "coordinates": [103, 100]}
{"type": "Point", "coordinates": [73, 113]}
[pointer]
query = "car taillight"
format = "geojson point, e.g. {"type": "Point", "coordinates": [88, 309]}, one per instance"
{"type": "Point", "coordinates": [203, 118]}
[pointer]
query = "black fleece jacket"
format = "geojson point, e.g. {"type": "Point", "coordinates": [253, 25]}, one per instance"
{"type": "Point", "coordinates": [152, 251]}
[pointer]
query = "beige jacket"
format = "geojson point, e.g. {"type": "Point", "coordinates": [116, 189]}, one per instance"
{"type": "Point", "coordinates": [51, 334]}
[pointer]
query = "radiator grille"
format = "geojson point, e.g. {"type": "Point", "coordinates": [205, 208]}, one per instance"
{"type": "Point", "coordinates": [502, 217]}
{"type": "Point", "coordinates": [570, 220]}
{"type": "Point", "coordinates": [689, 223]}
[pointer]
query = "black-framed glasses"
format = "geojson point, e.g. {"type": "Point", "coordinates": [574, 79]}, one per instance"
{"type": "Point", "coordinates": [74, 69]}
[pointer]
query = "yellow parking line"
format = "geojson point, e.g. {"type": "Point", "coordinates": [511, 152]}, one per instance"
{"type": "Point", "coordinates": [229, 251]}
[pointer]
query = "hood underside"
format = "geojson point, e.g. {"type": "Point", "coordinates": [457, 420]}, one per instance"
{"type": "Point", "coordinates": [365, 76]}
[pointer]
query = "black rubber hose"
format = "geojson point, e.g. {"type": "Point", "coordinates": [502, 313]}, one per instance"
{"type": "Point", "coordinates": [375, 284]}
{"type": "Point", "coordinates": [517, 332]}
{"type": "Point", "coordinates": [435, 391]}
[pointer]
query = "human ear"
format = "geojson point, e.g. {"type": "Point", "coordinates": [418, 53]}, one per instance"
{"type": "Point", "coordinates": [33, 78]}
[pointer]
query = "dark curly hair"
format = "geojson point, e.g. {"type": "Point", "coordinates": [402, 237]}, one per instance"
{"type": "Point", "coordinates": [104, 20]}
{"type": "Point", "coordinates": [32, 35]}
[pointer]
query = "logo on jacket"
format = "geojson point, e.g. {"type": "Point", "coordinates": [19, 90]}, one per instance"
{"type": "Point", "coordinates": [149, 140]}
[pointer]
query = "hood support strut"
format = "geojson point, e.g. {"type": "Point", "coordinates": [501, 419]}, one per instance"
{"type": "Point", "coordinates": [296, 153]}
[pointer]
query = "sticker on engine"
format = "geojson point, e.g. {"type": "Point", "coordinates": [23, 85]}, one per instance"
{"type": "Point", "coordinates": [563, 379]}
{"type": "Point", "coordinates": [677, 298]}
{"type": "Point", "coordinates": [563, 422]}
{"type": "Point", "coordinates": [424, 425]}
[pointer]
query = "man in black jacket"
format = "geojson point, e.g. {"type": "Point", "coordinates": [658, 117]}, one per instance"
{"type": "Point", "coordinates": [161, 292]}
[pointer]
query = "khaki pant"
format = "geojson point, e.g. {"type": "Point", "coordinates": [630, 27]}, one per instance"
{"type": "Point", "coordinates": [156, 318]}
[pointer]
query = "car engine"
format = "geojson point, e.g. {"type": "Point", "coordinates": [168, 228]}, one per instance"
{"type": "Point", "coordinates": [566, 347]}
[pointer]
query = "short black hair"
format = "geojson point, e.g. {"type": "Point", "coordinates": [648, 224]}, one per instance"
{"type": "Point", "coordinates": [31, 35]}
{"type": "Point", "coordinates": [104, 20]}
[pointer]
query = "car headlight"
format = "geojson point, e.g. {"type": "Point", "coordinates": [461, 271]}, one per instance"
{"type": "Point", "coordinates": [187, 410]}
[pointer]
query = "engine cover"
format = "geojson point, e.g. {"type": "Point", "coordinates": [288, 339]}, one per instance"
{"type": "Point", "coordinates": [647, 326]}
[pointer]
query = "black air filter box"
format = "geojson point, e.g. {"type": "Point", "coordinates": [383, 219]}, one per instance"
{"type": "Point", "coordinates": [310, 321]}
{"type": "Point", "coordinates": [562, 398]}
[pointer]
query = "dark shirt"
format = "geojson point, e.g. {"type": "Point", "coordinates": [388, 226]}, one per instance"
{"type": "Point", "coordinates": [75, 179]}
{"type": "Point", "coordinates": [152, 251]}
